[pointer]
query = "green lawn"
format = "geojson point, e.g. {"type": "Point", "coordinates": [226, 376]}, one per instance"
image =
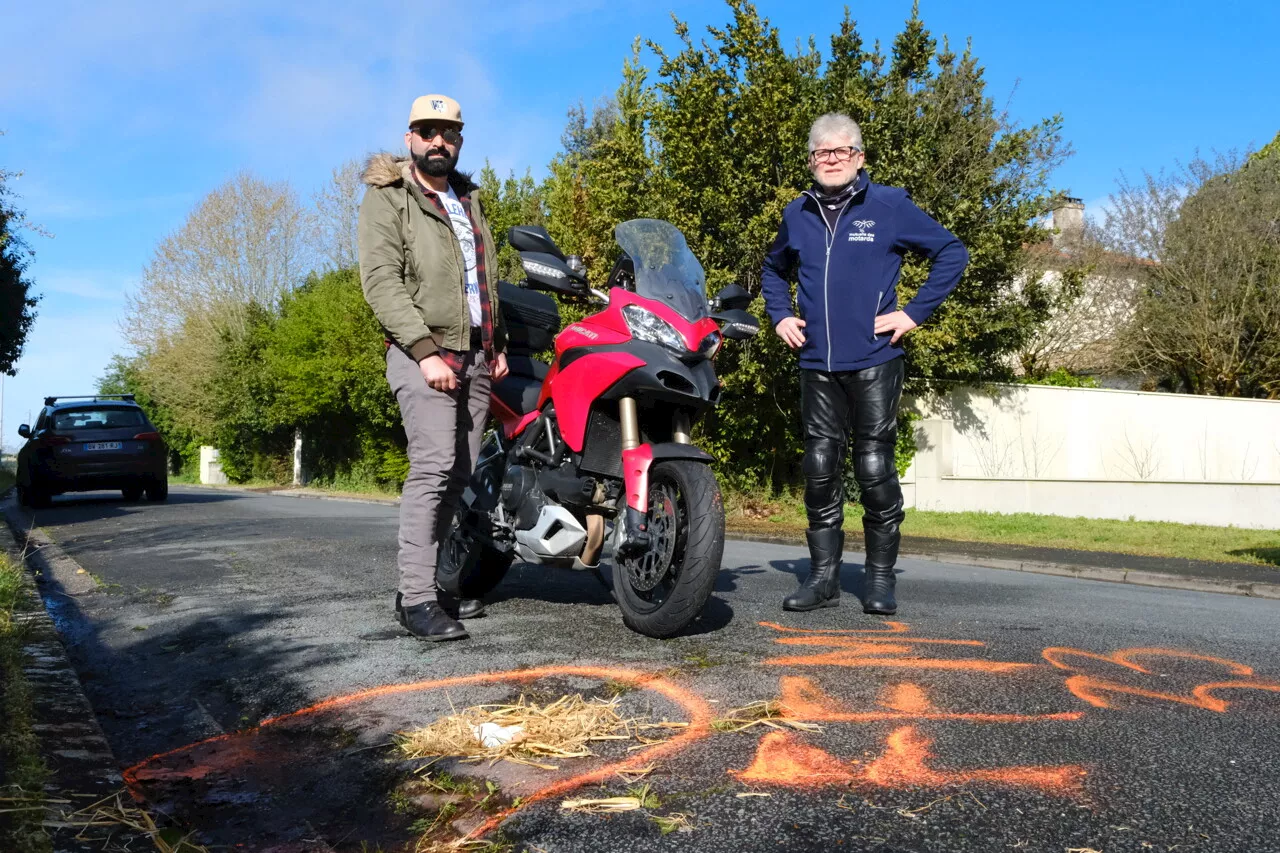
{"type": "Point", "coordinates": [1149, 538]}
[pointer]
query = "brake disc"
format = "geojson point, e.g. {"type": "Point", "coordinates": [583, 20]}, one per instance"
{"type": "Point", "coordinates": [647, 570]}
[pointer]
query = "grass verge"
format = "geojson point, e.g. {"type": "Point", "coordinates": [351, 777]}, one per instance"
{"type": "Point", "coordinates": [22, 769]}
{"type": "Point", "coordinates": [785, 516]}
{"type": "Point", "coordinates": [7, 476]}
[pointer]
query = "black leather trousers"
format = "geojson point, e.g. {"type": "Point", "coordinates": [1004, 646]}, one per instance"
{"type": "Point", "coordinates": [863, 403]}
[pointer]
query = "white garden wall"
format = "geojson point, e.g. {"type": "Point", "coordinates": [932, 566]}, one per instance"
{"type": "Point", "coordinates": [1098, 453]}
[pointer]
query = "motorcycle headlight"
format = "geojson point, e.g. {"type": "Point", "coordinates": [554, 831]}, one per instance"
{"type": "Point", "coordinates": [648, 326]}
{"type": "Point", "coordinates": [710, 345]}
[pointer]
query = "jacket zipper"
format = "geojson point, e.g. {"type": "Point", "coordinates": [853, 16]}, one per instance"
{"type": "Point", "coordinates": [826, 268]}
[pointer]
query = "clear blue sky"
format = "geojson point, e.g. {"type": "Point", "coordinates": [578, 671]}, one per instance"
{"type": "Point", "coordinates": [124, 114]}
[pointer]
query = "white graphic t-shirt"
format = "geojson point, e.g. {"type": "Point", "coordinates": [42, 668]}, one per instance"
{"type": "Point", "coordinates": [466, 235]}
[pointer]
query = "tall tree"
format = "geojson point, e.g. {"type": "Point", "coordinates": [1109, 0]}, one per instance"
{"type": "Point", "coordinates": [337, 215]}
{"type": "Point", "coordinates": [17, 304]}
{"type": "Point", "coordinates": [1205, 246]}
{"type": "Point", "coordinates": [716, 144]}
{"type": "Point", "coordinates": [246, 244]}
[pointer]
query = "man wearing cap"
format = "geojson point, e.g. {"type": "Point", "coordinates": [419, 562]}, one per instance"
{"type": "Point", "coordinates": [424, 246]}
{"type": "Point", "coordinates": [844, 239]}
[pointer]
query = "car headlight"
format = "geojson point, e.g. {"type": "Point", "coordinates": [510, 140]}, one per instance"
{"type": "Point", "coordinates": [648, 326]}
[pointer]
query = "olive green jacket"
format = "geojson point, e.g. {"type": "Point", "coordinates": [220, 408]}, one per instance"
{"type": "Point", "coordinates": [411, 265]}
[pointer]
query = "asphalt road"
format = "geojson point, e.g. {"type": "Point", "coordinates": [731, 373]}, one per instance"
{"type": "Point", "coordinates": [1000, 711]}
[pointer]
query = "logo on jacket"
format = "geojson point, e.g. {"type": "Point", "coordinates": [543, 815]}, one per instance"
{"type": "Point", "coordinates": [861, 234]}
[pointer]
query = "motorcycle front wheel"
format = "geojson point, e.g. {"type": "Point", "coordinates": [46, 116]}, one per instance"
{"type": "Point", "coordinates": [664, 588]}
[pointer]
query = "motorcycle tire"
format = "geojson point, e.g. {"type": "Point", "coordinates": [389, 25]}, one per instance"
{"type": "Point", "coordinates": [662, 590]}
{"type": "Point", "coordinates": [469, 570]}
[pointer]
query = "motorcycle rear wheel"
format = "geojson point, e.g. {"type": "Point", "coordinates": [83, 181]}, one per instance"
{"type": "Point", "coordinates": [664, 589]}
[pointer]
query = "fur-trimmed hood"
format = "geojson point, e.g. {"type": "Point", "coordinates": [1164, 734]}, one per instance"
{"type": "Point", "coordinates": [385, 169]}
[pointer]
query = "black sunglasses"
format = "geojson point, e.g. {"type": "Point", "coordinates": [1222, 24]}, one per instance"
{"type": "Point", "coordinates": [429, 132]}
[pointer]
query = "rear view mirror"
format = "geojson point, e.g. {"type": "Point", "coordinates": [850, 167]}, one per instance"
{"type": "Point", "coordinates": [733, 297]}
{"type": "Point", "coordinates": [24, 431]}
{"type": "Point", "coordinates": [533, 238]}
{"type": "Point", "coordinates": [737, 325]}
{"type": "Point", "coordinates": [547, 272]}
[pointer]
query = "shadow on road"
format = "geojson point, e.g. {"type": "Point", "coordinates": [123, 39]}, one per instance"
{"type": "Point", "coordinates": [79, 507]}
{"type": "Point", "coordinates": [327, 778]}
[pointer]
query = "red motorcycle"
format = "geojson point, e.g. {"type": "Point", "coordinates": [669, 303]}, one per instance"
{"type": "Point", "coordinates": [597, 443]}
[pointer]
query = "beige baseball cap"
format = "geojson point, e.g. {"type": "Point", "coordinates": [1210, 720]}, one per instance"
{"type": "Point", "coordinates": [435, 108]}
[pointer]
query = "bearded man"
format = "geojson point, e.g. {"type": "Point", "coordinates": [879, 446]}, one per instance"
{"type": "Point", "coordinates": [424, 245]}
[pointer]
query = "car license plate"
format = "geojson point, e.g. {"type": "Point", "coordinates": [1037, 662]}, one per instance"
{"type": "Point", "coordinates": [103, 445]}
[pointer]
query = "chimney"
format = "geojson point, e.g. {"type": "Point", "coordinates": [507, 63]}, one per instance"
{"type": "Point", "coordinates": [1068, 221]}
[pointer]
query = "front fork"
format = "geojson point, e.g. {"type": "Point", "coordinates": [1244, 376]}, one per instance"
{"type": "Point", "coordinates": [637, 459]}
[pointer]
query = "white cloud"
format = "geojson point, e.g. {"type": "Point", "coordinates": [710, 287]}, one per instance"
{"type": "Point", "coordinates": [87, 284]}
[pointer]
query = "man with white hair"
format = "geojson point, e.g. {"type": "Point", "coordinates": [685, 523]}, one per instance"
{"type": "Point", "coordinates": [844, 239]}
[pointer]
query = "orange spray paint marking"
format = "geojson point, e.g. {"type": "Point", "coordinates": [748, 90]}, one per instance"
{"type": "Point", "coordinates": [804, 701]}
{"type": "Point", "coordinates": [862, 659]}
{"type": "Point", "coordinates": [1057, 656]}
{"type": "Point", "coordinates": [1092, 690]}
{"type": "Point", "coordinates": [889, 628]}
{"type": "Point", "coordinates": [781, 759]}
{"type": "Point", "coordinates": [699, 711]}
{"type": "Point", "coordinates": [891, 650]}
{"type": "Point", "coordinates": [1098, 691]}
{"type": "Point", "coordinates": [909, 699]}
{"type": "Point", "coordinates": [905, 764]}
{"type": "Point", "coordinates": [801, 699]}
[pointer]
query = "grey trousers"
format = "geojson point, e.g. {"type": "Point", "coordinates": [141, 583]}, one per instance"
{"type": "Point", "coordinates": [445, 431]}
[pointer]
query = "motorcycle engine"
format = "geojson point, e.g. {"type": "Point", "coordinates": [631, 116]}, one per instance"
{"type": "Point", "coordinates": [521, 496]}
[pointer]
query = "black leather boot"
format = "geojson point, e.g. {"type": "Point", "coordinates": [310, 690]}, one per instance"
{"type": "Point", "coordinates": [470, 608]}
{"type": "Point", "coordinates": [458, 608]}
{"type": "Point", "coordinates": [822, 587]}
{"type": "Point", "coordinates": [429, 621]}
{"type": "Point", "coordinates": [877, 591]}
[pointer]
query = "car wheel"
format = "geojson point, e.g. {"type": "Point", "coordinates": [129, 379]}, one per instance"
{"type": "Point", "coordinates": [132, 493]}
{"type": "Point", "coordinates": [158, 490]}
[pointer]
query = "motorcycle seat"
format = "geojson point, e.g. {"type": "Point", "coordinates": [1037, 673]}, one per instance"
{"type": "Point", "coordinates": [518, 392]}
{"type": "Point", "coordinates": [530, 368]}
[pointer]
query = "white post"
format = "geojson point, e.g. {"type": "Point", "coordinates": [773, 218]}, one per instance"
{"type": "Point", "coordinates": [297, 458]}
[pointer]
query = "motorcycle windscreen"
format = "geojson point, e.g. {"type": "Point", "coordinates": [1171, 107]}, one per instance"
{"type": "Point", "coordinates": [666, 270]}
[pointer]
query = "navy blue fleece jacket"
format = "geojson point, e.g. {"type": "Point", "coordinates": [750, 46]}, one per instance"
{"type": "Point", "coordinates": [849, 275]}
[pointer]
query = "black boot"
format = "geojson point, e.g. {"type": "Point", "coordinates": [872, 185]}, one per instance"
{"type": "Point", "coordinates": [470, 608]}
{"type": "Point", "coordinates": [822, 587]}
{"type": "Point", "coordinates": [428, 621]}
{"type": "Point", "coordinates": [877, 591]}
{"type": "Point", "coordinates": [458, 608]}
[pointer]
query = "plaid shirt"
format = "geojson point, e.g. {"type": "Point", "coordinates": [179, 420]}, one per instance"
{"type": "Point", "coordinates": [452, 358]}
